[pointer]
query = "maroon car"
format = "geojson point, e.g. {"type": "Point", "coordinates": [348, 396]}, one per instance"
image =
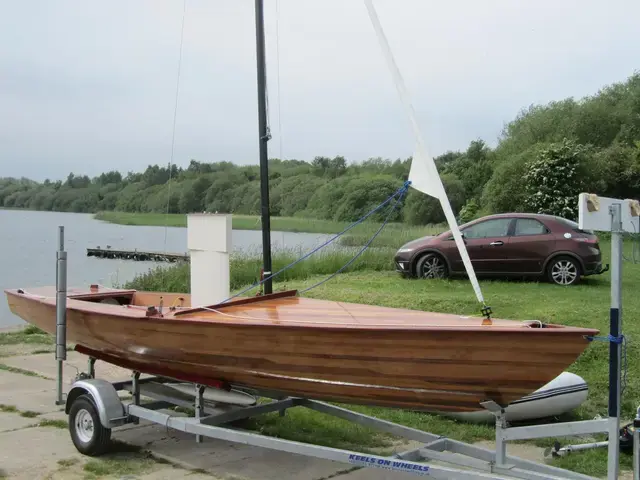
{"type": "Point", "coordinates": [510, 244]}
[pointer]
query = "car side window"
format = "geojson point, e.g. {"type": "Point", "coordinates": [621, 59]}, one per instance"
{"type": "Point", "coordinates": [529, 226]}
{"type": "Point", "coordinates": [497, 227]}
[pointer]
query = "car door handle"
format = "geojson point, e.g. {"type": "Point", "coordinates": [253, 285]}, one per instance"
{"type": "Point", "coordinates": [496, 244]}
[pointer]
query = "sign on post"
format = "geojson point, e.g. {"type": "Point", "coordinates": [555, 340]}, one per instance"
{"type": "Point", "coordinates": [594, 213]}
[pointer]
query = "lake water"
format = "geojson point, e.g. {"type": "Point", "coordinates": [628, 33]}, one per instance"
{"type": "Point", "coordinates": [29, 240]}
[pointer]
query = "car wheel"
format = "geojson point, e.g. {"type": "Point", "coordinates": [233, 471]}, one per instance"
{"type": "Point", "coordinates": [431, 265]}
{"type": "Point", "coordinates": [564, 271]}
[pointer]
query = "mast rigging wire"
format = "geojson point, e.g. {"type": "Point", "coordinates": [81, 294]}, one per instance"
{"type": "Point", "coordinates": [173, 133]}
{"type": "Point", "coordinates": [280, 155]}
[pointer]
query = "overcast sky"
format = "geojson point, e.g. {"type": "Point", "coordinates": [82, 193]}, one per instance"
{"type": "Point", "coordinates": [90, 85]}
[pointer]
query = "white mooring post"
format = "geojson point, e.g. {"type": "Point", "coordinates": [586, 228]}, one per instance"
{"type": "Point", "coordinates": [61, 311]}
{"type": "Point", "coordinates": [209, 243]}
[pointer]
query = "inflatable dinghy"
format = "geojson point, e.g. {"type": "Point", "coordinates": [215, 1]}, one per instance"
{"type": "Point", "coordinates": [562, 394]}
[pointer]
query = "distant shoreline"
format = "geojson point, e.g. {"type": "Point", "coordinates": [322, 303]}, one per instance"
{"type": "Point", "coordinates": [393, 236]}
{"type": "Point", "coordinates": [240, 222]}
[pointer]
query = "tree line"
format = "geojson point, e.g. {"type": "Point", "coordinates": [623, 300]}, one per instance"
{"type": "Point", "coordinates": [544, 158]}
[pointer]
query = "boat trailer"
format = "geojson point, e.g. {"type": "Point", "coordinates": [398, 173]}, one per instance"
{"type": "Point", "coordinates": [95, 408]}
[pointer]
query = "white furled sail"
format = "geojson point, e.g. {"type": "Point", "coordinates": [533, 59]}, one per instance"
{"type": "Point", "coordinates": [423, 175]}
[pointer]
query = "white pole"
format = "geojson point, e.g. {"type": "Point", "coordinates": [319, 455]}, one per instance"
{"type": "Point", "coordinates": [61, 311]}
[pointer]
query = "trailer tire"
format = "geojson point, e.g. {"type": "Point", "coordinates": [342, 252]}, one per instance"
{"type": "Point", "coordinates": [89, 436]}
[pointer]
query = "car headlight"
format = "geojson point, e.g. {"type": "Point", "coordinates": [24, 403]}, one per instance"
{"type": "Point", "coordinates": [405, 250]}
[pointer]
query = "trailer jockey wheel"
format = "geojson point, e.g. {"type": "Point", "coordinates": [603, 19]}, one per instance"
{"type": "Point", "coordinates": [87, 433]}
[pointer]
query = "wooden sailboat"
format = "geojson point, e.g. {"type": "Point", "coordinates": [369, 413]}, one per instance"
{"type": "Point", "coordinates": [316, 348]}
{"type": "Point", "coordinates": [313, 348]}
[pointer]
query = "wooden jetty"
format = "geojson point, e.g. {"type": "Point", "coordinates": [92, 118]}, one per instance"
{"type": "Point", "coordinates": [137, 255]}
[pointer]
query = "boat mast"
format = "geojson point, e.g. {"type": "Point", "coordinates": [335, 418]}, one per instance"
{"type": "Point", "coordinates": [264, 137]}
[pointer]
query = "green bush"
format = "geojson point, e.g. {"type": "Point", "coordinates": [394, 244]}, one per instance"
{"type": "Point", "coordinates": [469, 212]}
{"type": "Point", "coordinates": [422, 209]}
{"type": "Point", "coordinates": [554, 180]}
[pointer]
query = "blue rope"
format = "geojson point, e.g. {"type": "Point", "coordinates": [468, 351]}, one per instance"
{"type": "Point", "coordinates": [608, 338]}
{"type": "Point", "coordinates": [386, 220]}
{"type": "Point", "coordinates": [618, 340]}
{"type": "Point", "coordinates": [624, 363]}
{"type": "Point", "coordinates": [401, 191]}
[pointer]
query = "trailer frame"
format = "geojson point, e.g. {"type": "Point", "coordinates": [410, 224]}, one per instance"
{"type": "Point", "coordinates": [95, 408]}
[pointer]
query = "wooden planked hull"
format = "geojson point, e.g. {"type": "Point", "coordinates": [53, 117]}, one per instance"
{"type": "Point", "coordinates": [323, 350]}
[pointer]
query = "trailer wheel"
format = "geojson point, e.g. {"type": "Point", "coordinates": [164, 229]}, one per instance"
{"type": "Point", "coordinates": [87, 433]}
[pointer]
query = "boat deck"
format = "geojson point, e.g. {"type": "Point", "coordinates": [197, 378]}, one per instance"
{"type": "Point", "coordinates": [307, 311]}
{"type": "Point", "coordinates": [282, 308]}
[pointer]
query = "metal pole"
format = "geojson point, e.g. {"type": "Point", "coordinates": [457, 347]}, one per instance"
{"type": "Point", "coordinates": [615, 319]}
{"type": "Point", "coordinates": [636, 446]}
{"type": "Point", "coordinates": [264, 137]}
{"type": "Point", "coordinates": [61, 310]}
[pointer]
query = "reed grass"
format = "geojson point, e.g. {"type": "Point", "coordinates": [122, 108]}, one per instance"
{"type": "Point", "coordinates": [245, 269]}
{"type": "Point", "coordinates": [29, 334]}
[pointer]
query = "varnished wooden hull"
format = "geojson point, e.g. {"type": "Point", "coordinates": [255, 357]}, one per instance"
{"type": "Point", "coordinates": [322, 350]}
